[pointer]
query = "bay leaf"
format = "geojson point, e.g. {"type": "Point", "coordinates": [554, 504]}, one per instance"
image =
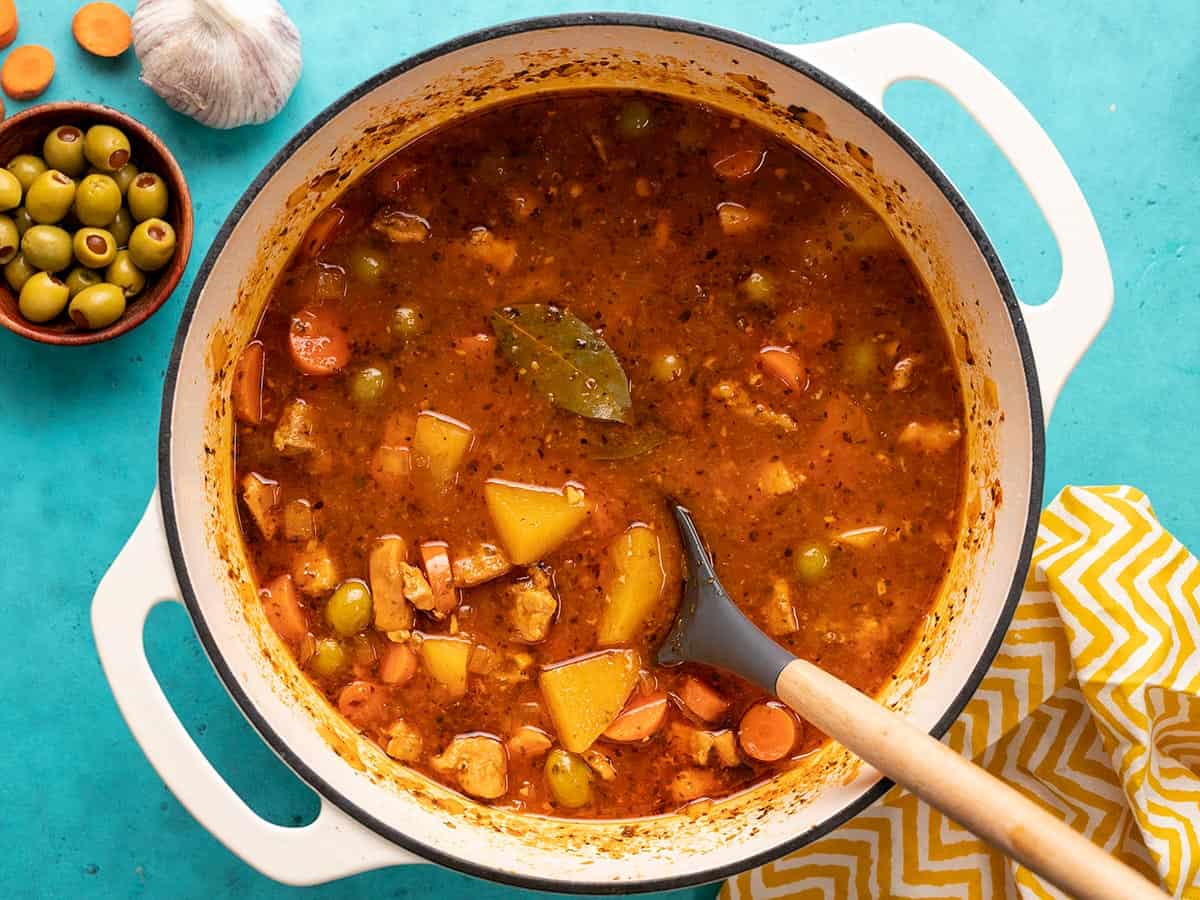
{"type": "Point", "coordinates": [563, 358]}
{"type": "Point", "coordinates": [619, 442]}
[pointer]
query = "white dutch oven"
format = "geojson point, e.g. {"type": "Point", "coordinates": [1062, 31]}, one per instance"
{"type": "Point", "coordinates": [825, 97]}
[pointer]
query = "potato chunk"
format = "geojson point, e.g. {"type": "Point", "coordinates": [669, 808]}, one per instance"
{"type": "Point", "coordinates": [585, 694]}
{"type": "Point", "coordinates": [533, 606]}
{"type": "Point", "coordinates": [636, 587]}
{"type": "Point", "coordinates": [532, 520]}
{"type": "Point", "coordinates": [386, 570]}
{"type": "Point", "coordinates": [261, 496]}
{"type": "Point", "coordinates": [440, 444]}
{"type": "Point", "coordinates": [314, 570]}
{"type": "Point", "coordinates": [478, 762]}
{"type": "Point", "coordinates": [295, 433]}
{"type": "Point", "coordinates": [445, 660]}
{"type": "Point", "coordinates": [930, 437]}
{"type": "Point", "coordinates": [299, 524]}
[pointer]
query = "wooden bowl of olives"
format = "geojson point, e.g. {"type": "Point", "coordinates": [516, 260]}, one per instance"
{"type": "Point", "coordinates": [95, 223]}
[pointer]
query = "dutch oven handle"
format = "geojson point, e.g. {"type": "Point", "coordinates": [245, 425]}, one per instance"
{"type": "Point", "coordinates": [1061, 329]}
{"type": "Point", "coordinates": [332, 846]}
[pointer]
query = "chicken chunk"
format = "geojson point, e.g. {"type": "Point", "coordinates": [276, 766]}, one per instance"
{"type": "Point", "coordinates": [902, 372]}
{"type": "Point", "coordinates": [930, 437]}
{"type": "Point", "coordinates": [736, 219]}
{"type": "Point", "coordinates": [775, 479]}
{"type": "Point", "coordinates": [387, 569]}
{"type": "Point", "coordinates": [295, 433]}
{"type": "Point", "coordinates": [314, 570]}
{"type": "Point", "coordinates": [704, 748]}
{"type": "Point", "coordinates": [737, 399]}
{"type": "Point", "coordinates": [692, 784]}
{"type": "Point", "coordinates": [298, 521]}
{"type": "Point", "coordinates": [529, 741]}
{"type": "Point", "coordinates": [400, 227]}
{"type": "Point", "coordinates": [261, 496]}
{"type": "Point", "coordinates": [416, 589]}
{"type": "Point", "coordinates": [485, 247]}
{"type": "Point", "coordinates": [480, 564]}
{"type": "Point", "coordinates": [404, 742]}
{"type": "Point", "coordinates": [479, 763]}
{"type": "Point", "coordinates": [779, 615]}
{"type": "Point", "coordinates": [533, 606]}
{"type": "Point", "coordinates": [600, 763]}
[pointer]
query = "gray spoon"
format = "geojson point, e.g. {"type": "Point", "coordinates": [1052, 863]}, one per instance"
{"type": "Point", "coordinates": [711, 629]}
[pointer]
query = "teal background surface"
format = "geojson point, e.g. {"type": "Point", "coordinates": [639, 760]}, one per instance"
{"type": "Point", "coordinates": [81, 811]}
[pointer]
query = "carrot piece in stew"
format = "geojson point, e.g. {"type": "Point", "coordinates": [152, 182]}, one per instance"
{"type": "Point", "coordinates": [701, 700]}
{"type": "Point", "coordinates": [248, 384]}
{"type": "Point", "coordinates": [640, 719]}
{"type": "Point", "coordinates": [768, 731]}
{"type": "Point", "coordinates": [785, 365]}
{"type": "Point", "coordinates": [398, 665]}
{"type": "Point", "coordinates": [318, 342]}
{"type": "Point", "coordinates": [281, 603]}
{"type": "Point", "coordinates": [362, 702]}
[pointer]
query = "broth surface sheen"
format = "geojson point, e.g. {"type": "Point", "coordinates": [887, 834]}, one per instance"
{"type": "Point", "coordinates": [790, 382]}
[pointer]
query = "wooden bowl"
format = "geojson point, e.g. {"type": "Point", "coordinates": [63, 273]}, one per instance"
{"type": "Point", "coordinates": [24, 133]}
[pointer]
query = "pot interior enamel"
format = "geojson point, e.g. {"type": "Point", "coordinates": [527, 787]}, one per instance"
{"type": "Point", "coordinates": [853, 141]}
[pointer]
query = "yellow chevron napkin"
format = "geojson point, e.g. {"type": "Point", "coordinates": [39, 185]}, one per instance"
{"type": "Point", "coordinates": [1091, 708]}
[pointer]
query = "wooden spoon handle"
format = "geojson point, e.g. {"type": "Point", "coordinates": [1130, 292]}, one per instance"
{"type": "Point", "coordinates": [958, 787]}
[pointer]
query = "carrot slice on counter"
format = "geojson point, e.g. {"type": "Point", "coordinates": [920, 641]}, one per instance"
{"type": "Point", "coordinates": [640, 719]}
{"type": "Point", "coordinates": [281, 604]}
{"type": "Point", "coordinates": [8, 23]}
{"type": "Point", "coordinates": [317, 341]}
{"type": "Point", "coordinates": [768, 731]}
{"type": "Point", "coordinates": [102, 29]}
{"type": "Point", "coordinates": [438, 569]}
{"type": "Point", "coordinates": [398, 665]}
{"type": "Point", "coordinates": [702, 700]}
{"type": "Point", "coordinates": [248, 384]}
{"type": "Point", "coordinates": [27, 72]}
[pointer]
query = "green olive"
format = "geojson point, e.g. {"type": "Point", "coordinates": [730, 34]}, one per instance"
{"type": "Point", "coordinates": [63, 150]}
{"type": "Point", "coordinates": [10, 190]}
{"type": "Point", "coordinates": [152, 245]}
{"type": "Point", "coordinates": [42, 297]}
{"type": "Point", "coordinates": [22, 219]}
{"type": "Point", "coordinates": [50, 197]}
{"type": "Point", "coordinates": [367, 265]}
{"type": "Point", "coordinates": [17, 272]}
{"type": "Point", "coordinates": [121, 227]}
{"type": "Point", "coordinates": [569, 779]}
{"type": "Point", "coordinates": [635, 119]}
{"type": "Point", "coordinates": [860, 361]}
{"type": "Point", "coordinates": [26, 167]}
{"type": "Point", "coordinates": [97, 306]}
{"type": "Point", "coordinates": [812, 562]}
{"type": "Point", "coordinates": [124, 176]}
{"type": "Point", "coordinates": [97, 199]}
{"type": "Point", "coordinates": [349, 609]}
{"type": "Point", "coordinates": [80, 277]}
{"type": "Point", "coordinates": [369, 384]}
{"type": "Point", "coordinates": [407, 323]}
{"type": "Point", "coordinates": [667, 366]}
{"type": "Point", "coordinates": [328, 658]}
{"type": "Point", "coordinates": [106, 147]}
{"type": "Point", "coordinates": [94, 247]}
{"type": "Point", "coordinates": [125, 274]}
{"type": "Point", "coordinates": [47, 247]}
{"type": "Point", "coordinates": [757, 287]}
{"type": "Point", "coordinates": [10, 240]}
{"type": "Point", "coordinates": [147, 197]}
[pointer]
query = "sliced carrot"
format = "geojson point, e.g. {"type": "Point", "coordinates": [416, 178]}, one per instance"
{"type": "Point", "coordinates": [8, 23]}
{"type": "Point", "coordinates": [398, 665]}
{"type": "Point", "coordinates": [785, 365]}
{"type": "Point", "coordinates": [317, 341]}
{"type": "Point", "coordinates": [436, 557]}
{"type": "Point", "coordinates": [702, 700]}
{"type": "Point", "coordinates": [322, 230]}
{"type": "Point", "coordinates": [248, 384]}
{"type": "Point", "coordinates": [281, 604]}
{"type": "Point", "coordinates": [362, 702]}
{"type": "Point", "coordinates": [640, 719]}
{"type": "Point", "coordinates": [768, 731]}
{"type": "Point", "coordinates": [27, 72]}
{"type": "Point", "coordinates": [102, 29]}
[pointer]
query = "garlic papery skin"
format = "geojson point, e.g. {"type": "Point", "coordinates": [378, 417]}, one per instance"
{"type": "Point", "coordinates": [223, 62]}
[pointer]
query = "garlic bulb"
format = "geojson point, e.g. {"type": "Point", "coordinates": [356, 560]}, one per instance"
{"type": "Point", "coordinates": [223, 62]}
